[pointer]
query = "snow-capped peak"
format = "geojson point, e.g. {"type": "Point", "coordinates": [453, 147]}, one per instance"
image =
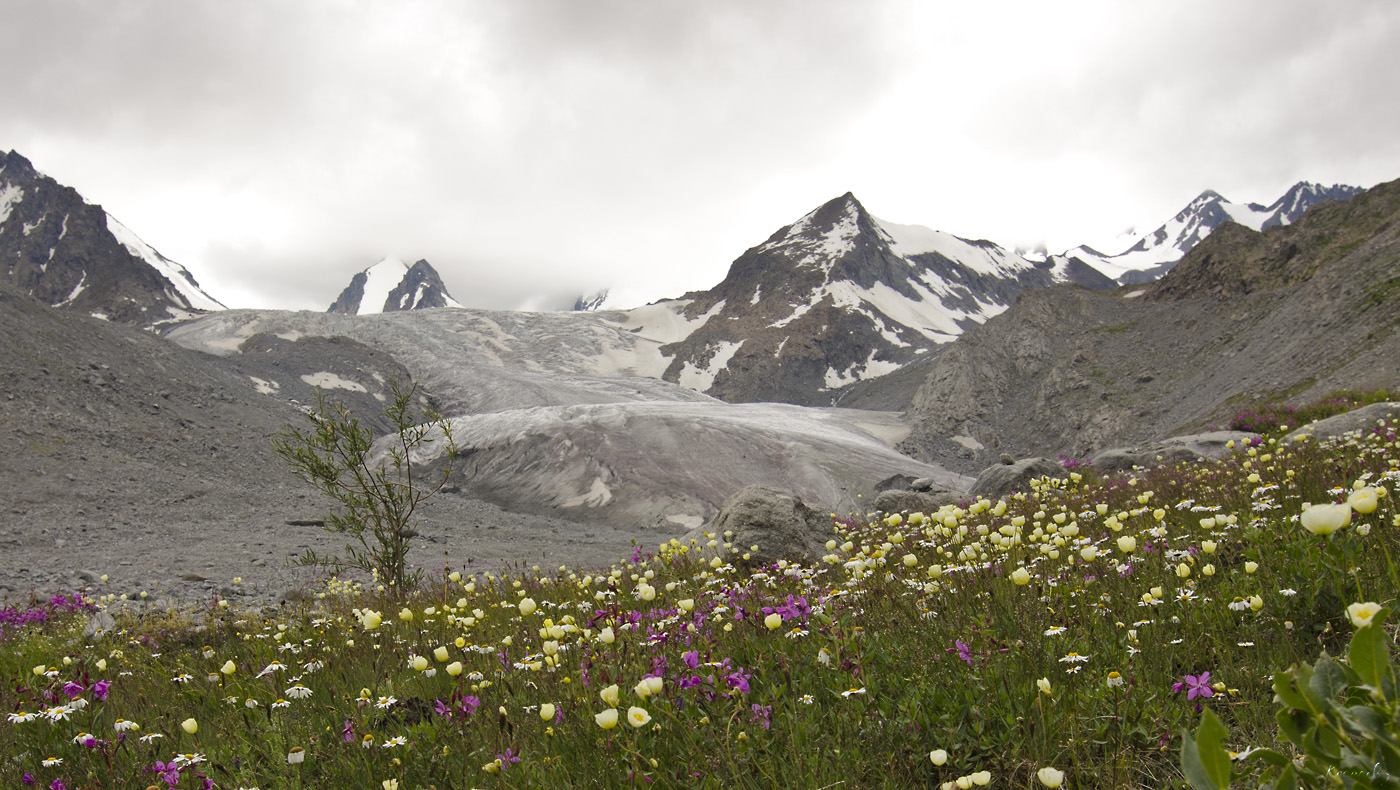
{"type": "Point", "coordinates": [380, 279]}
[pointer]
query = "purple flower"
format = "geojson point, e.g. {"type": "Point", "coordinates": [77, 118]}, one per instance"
{"type": "Point", "coordinates": [99, 690]}
{"type": "Point", "coordinates": [73, 690]}
{"type": "Point", "coordinates": [507, 758]}
{"type": "Point", "coordinates": [348, 731]}
{"type": "Point", "coordinates": [1195, 686]}
{"type": "Point", "coordinates": [28, 778]}
{"type": "Point", "coordinates": [739, 680]}
{"type": "Point", "coordinates": [692, 658]}
{"type": "Point", "coordinates": [964, 652]}
{"type": "Point", "coordinates": [763, 714]}
{"type": "Point", "coordinates": [57, 785]}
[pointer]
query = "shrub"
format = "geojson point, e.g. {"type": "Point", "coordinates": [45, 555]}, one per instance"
{"type": "Point", "coordinates": [376, 493]}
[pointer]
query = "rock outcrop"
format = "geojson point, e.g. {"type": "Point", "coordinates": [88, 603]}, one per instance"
{"type": "Point", "coordinates": [774, 520]}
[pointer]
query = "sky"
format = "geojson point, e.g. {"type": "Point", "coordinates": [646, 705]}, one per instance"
{"type": "Point", "coordinates": [536, 150]}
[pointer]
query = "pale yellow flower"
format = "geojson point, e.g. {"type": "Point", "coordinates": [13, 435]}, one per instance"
{"type": "Point", "coordinates": [1127, 544]}
{"type": "Point", "coordinates": [1364, 500]}
{"type": "Point", "coordinates": [637, 717]}
{"type": "Point", "coordinates": [609, 695]}
{"type": "Point", "coordinates": [1326, 519]}
{"type": "Point", "coordinates": [1021, 577]}
{"type": "Point", "coordinates": [190, 726]}
{"type": "Point", "coordinates": [527, 605]}
{"type": "Point", "coordinates": [1361, 614]}
{"type": "Point", "coordinates": [607, 719]}
{"type": "Point", "coordinates": [773, 621]}
{"type": "Point", "coordinates": [547, 711]}
{"type": "Point", "coordinates": [938, 756]}
{"type": "Point", "coordinates": [1050, 777]}
{"type": "Point", "coordinates": [1044, 685]}
{"type": "Point", "coordinates": [440, 653]}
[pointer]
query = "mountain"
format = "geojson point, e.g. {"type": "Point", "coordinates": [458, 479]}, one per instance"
{"type": "Point", "coordinates": [593, 302]}
{"type": "Point", "coordinates": [1155, 253]}
{"type": "Point", "coordinates": [838, 297]}
{"type": "Point", "coordinates": [68, 253]}
{"type": "Point", "coordinates": [393, 285]}
{"type": "Point", "coordinates": [1291, 314]}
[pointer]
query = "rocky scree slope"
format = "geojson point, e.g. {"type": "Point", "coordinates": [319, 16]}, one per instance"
{"type": "Point", "coordinates": [68, 253]}
{"type": "Point", "coordinates": [1291, 314]}
{"type": "Point", "coordinates": [126, 455]}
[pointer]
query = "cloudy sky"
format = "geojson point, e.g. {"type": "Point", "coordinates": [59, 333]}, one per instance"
{"type": "Point", "coordinates": [536, 149]}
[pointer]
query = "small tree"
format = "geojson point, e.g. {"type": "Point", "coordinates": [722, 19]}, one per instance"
{"type": "Point", "coordinates": [377, 495]}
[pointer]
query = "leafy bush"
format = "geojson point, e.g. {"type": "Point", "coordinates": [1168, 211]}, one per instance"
{"type": "Point", "coordinates": [378, 494]}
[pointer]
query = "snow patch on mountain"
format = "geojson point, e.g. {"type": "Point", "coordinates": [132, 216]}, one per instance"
{"type": "Point", "coordinates": [9, 196]}
{"type": "Point", "coordinates": [700, 379]}
{"type": "Point", "coordinates": [186, 290]}
{"type": "Point", "coordinates": [380, 279]}
{"type": "Point", "coordinates": [986, 258]}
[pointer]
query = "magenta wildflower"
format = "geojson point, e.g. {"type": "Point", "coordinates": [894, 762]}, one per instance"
{"type": "Point", "coordinates": [73, 690]}
{"type": "Point", "coordinates": [99, 690]}
{"type": "Point", "coordinates": [1195, 686]}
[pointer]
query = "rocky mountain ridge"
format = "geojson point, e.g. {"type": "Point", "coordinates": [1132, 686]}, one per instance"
{"type": "Point", "coordinates": [71, 254]}
{"type": "Point", "coordinates": [1291, 313]}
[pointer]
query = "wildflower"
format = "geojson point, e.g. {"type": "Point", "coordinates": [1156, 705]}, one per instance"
{"type": "Point", "coordinates": [385, 702]}
{"type": "Point", "coordinates": [1044, 685]}
{"type": "Point", "coordinates": [938, 756]}
{"type": "Point", "coordinates": [151, 737]}
{"type": "Point", "coordinates": [229, 667]}
{"type": "Point", "coordinates": [1183, 570]}
{"type": "Point", "coordinates": [1074, 658]}
{"type": "Point", "coordinates": [1325, 519]}
{"type": "Point", "coordinates": [852, 692]}
{"type": "Point", "coordinates": [1363, 500]}
{"type": "Point", "coordinates": [1362, 614]}
{"type": "Point", "coordinates": [527, 605]}
{"type": "Point", "coordinates": [390, 784]}
{"type": "Point", "coordinates": [1050, 777]}
{"type": "Point", "coordinates": [1238, 605]}
{"type": "Point", "coordinates": [122, 725]}
{"type": "Point", "coordinates": [609, 695]}
{"type": "Point", "coordinates": [397, 740]}
{"type": "Point", "coordinates": [981, 778]}
{"type": "Point", "coordinates": [1127, 544]}
{"type": "Point", "coordinates": [406, 614]}
{"type": "Point", "coordinates": [299, 692]}
{"type": "Point", "coordinates": [370, 619]}
{"type": "Point", "coordinates": [440, 653]}
{"type": "Point", "coordinates": [281, 703]}
{"type": "Point", "coordinates": [52, 761]}
{"type": "Point", "coordinates": [1114, 680]}
{"type": "Point", "coordinates": [605, 636]}
{"type": "Point", "coordinates": [1021, 577]}
{"type": "Point", "coordinates": [1251, 566]}
{"type": "Point", "coordinates": [190, 726]}
{"type": "Point", "coordinates": [637, 717]}
{"type": "Point", "coordinates": [773, 621]}
{"type": "Point", "coordinates": [607, 719]}
{"type": "Point", "coordinates": [296, 755]}
{"type": "Point", "coordinates": [1256, 603]}
{"type": "Point", "coordinates": [455, 668]}
{"type": "Point", "coordinates": [1195, 686]}
{"type": "Point", "coordinates": [805, 699]}
{"type": "Point", "coordinates": [547, 711]}
{"type": "Point", "coordinates": [189, 758]}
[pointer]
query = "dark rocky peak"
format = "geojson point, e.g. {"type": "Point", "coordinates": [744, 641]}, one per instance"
{"type": "Point", "coordinates": [1299, 198]}
{"type": "Point", "coordinates": [15, 168]}
{"type": "Point", "coordinates": [392, 285]}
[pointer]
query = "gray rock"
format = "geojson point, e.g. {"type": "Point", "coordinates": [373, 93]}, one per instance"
{"type": "Point", "coordinates": [1214, 445]}
{"type": "Point", "coordinates": [98, 626]}
{"type": "Point", "coordinates": [1006, 478]}
{"type": "Point", "coordinates": [1361, 419]}
{"type": "Point", "coordinates": [915, 501]}
{"type": "Point", "coordinates": [776, 521]}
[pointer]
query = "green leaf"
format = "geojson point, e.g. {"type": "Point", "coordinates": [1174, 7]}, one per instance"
{"type": "Point", "coordinates": [1289, 728]}
{"type": "Point", "coordinates": [1287, 780]}
{"type": "Point", "coordinates": [1271, 757]}
{"type": "Point", "coordinates": [1204, 760]}
{"type": "Point", "coordinates": [1328, 679]}
{"type": "Point", "coordinates": [1369, 655]}
{"type": "Point", "coordinates": [1283, 687]}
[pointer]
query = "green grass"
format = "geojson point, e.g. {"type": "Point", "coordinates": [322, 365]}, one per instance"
{"type": "Point", "coordinates": [911, 636]}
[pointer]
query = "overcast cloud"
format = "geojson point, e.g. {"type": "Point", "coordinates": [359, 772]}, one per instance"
{"type": "Point", "coordinates": [533, 150]}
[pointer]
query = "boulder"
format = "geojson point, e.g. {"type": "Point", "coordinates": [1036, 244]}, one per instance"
{"type": "Point", "coordinates": [915, 501]}
{"type": "Point", "coordinates": [774, 520]}
{"type": "Point", "coordinates": [1004, 478]}
{"type": "Point", "coordinates": [1362, 419]}
{"type": "Point", "coordinates": [1214, 445]}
